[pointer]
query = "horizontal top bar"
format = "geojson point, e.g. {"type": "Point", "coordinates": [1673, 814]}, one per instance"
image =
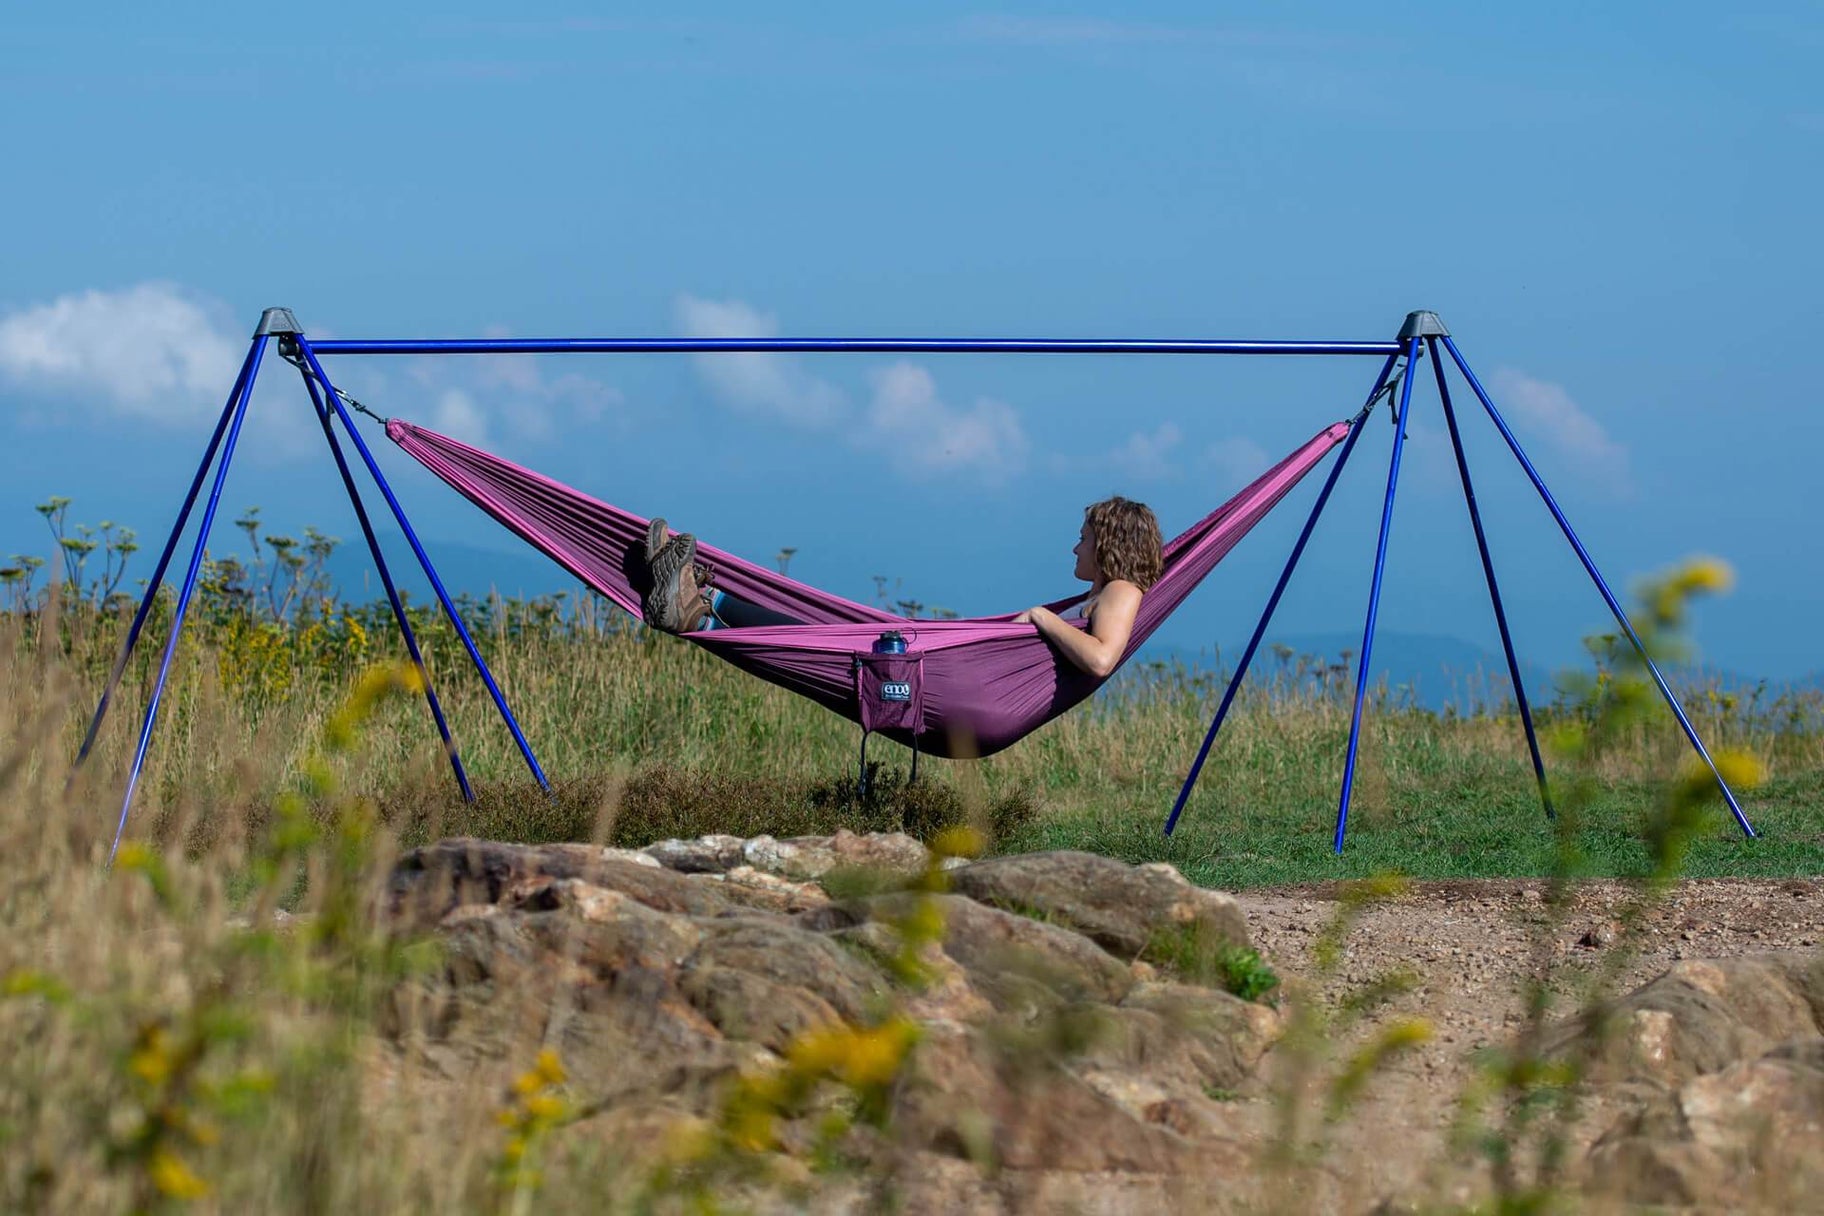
{"type": "Point", "coordinates": [1032, 346]}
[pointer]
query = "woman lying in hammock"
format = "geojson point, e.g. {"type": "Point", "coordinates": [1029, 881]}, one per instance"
{"type": "Point", "coordinates": [1118, 555]}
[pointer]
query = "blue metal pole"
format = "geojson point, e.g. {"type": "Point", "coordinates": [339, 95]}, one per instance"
{"type": "Point", "coordinates": [1621, 617]}
{"type": "Point", "coordinates": [348, 424]}
{"type": "Point", "coordinates": [1374, 592]}
{"type": "Point", "coordinates": [158, 573]}
{"type": "Point", "coordinates": [913, 346]}
{"type": "Point", "coordinates": [1488, 572]}
{"type": "Point", "coordinates": [1285, 576]}
{"type": "Point", "coordinates": [251, 371]}
{"type": "Point", "coordinates": [392, 594]}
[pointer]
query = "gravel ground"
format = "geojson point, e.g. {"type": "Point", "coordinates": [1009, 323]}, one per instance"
{"type": "Point", "coordinates": [1471, 943]}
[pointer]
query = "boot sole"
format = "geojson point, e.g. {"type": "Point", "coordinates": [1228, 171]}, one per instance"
{"type": "Point", "coordinates": [660, 607]}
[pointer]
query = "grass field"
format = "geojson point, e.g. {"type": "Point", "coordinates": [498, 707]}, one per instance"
{"type": "Point", "coordinates": [667, 741]}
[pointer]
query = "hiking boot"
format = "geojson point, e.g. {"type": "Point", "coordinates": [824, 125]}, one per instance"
{"type": "Point", "coordinates": [657, 537]}
{"type": "Point", "coordinates": [694, 599]}
{"type": "Point", "coordinates": [675, 602]}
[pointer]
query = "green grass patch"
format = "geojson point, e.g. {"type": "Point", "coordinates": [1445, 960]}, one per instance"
{"type": "Point", "coordinates": [1193, 953]}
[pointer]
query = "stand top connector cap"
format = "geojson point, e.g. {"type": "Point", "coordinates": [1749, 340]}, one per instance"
{"type": "Point", "coordinates": [277, 321]}
{"type": "Point", "coordinates": [1423, 324]}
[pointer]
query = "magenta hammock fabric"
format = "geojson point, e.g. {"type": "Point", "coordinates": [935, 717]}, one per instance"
{"type": "Point", "coordinates": [982, 683]}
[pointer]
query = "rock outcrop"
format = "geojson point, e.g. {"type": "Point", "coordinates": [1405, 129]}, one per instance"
{"type": "Point", "coordinates": [1066, 1057]}
{"type": "Point", "coordinates": [1729, 1056]}
{"type": "Point", "coordinates": [1051, 1050]}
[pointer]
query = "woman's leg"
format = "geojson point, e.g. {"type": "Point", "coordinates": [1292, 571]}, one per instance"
{"type": "Point", "coordinates": [731, 612]}
{"type": "Point", "coordinates": [680, 600]}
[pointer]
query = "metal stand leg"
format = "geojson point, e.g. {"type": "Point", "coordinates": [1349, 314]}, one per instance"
{"type": "Point", "coordinates": [455, 618]}
{"type": "Point", "coordinates": [392, 594]}
{"type": "Point", "coordinates": [158, 573]}
{"type": "Point", "coordinates": [1488, 572]}
{"type": "Point", "coordinates": [1621, 617]}
{"type": "Point", "coordinates": [244, 393]}
{"type": "Point", "coordinates": [1247, 655]}
{"type": "Point", "coordinates": [1374, 593]}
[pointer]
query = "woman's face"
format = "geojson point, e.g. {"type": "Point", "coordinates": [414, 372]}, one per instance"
{"type": "Point", "coordinates": [1087, 569]}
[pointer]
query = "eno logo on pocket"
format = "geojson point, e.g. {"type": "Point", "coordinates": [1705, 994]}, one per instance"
{"type": "Point", "coordinates": [895, 690]}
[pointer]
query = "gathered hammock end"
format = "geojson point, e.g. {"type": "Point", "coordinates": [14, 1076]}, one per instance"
{"type": "Point", "coordinates": [984, 682]}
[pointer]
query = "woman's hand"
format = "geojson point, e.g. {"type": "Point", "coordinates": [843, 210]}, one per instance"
{"type": "Point", "coordinates": [1024, 618]}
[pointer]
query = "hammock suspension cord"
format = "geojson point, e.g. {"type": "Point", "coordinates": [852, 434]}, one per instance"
{"type": "Point", "coordinates": [288, 351]}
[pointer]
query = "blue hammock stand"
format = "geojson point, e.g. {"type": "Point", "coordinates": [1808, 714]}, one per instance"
{"type": "Point", "coordinates": [1422, 336]}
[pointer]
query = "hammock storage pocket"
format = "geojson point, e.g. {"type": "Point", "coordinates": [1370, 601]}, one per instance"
{"type": "Point", "coordinates": [890, 697]}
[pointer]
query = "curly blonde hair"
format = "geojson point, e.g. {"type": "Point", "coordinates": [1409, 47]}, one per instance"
{"type": "Point", "coordinates": [1127, 541]}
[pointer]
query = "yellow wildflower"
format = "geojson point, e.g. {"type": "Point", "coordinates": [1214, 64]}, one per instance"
{"type": "Point", "coordinates": [545, 1107]}
{"type": "Point", "coordinates": [549, 1068]}
{"type": "Point", "coordinates": [173, 1178]}
{"type": "Point", "coordinates": [1407, 1032]}
{"type": "Point", "coordinates": [1742, 770]}
{"type": "Point", "coordinates": [151, 1060]}
{"type": "Point", "coordinates": [874, 1056]}
{"type": "Point", "coordinates": [1739, 770]}
{"type": "Point", "coordinates": [961, 841]}
{"type": "Point", "coordinates": [1706, 574]}
{"type": "Point", "coordinates": [819, 1050]}
{"type": "Point", "coordinates": [134, 856]}
{"type": "Point", "coordinates": [751, 1129]}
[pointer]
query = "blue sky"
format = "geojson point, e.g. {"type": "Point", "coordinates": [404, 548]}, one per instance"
{"type": "Point", "coordinates": [1613, 207]}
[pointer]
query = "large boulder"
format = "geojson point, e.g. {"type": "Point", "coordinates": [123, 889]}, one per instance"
{"type": "Point", "coordinates": [1703, 1015]}
{"type": "Point", "coordinates": [1725, 1059]}
{"type": "Point", "coordinates": [961, 1097]}
{"type": "Point", "coordinates": [1747, 1137]}
{"type": "Point", "coordinates": [1124, 909]}
{"type": "Point", "coordinates": [1012, 957]}
{"type": "Point", "coordinates": [1049, 1065]}
{"type": "Point", "coordinates": [430, 882]}
{"type": "Point", "coordinates": [1199, 1039]}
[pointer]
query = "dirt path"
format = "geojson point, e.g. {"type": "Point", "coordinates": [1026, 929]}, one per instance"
{"type": "Point", "coordinates": [1471, 943]}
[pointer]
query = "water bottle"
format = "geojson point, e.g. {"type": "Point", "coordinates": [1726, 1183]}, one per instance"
{"type": "Point", "coordinates": [890, 642]}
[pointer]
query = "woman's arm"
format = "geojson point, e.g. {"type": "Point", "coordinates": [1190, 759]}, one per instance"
{"type": "Point", "coordinates": [1097, 649]}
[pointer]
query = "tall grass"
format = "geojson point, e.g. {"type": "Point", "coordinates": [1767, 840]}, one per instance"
{"type": "Point", "coordinates": [698, 747]}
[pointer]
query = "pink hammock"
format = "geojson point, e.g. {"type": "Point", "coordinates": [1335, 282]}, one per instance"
{"type": "Point", "coordinates": [964, 687]}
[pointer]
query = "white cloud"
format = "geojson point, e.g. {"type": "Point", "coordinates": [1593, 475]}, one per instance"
{"type": "Point", "coordinates": [157, 352]}
{"type": "Point", "coordinates": [905, 417]}
{"type": "Point", "coordinates": [148, 351]}
{"type": "Point", "coordinates": [1546, 409]}
{"type": "Point", "coordinates": [508, 392]}
{"type": "Point", "coordinates": [457, 416]}
{"type": "Point", "coordinates": [532, 406]}
{"type": "Point", "coordinates": [924, 434]}
{"type": "Point", "coordinates": [1236, 461]}
{"type": "Point", "coordinates": [1148, 457]}
{"type": "Point", "coordinates": [764, 384]}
